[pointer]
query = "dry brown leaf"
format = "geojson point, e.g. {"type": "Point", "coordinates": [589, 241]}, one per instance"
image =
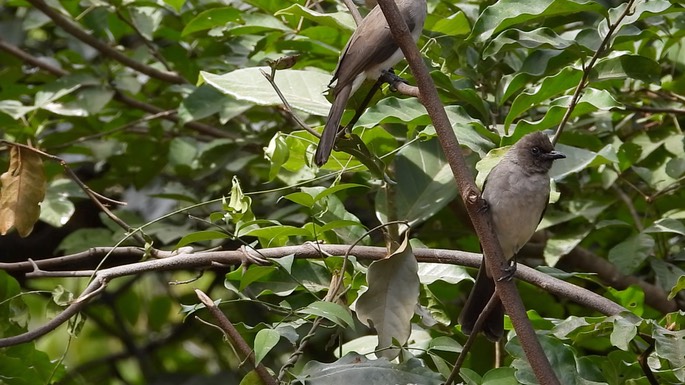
{"type": "Point", "coordinates": [23, 188]}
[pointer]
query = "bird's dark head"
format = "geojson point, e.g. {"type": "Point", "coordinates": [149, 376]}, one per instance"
{"type": "Point", "coordinates": [536, 153]}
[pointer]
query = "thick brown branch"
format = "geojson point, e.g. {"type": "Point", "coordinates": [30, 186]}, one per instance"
{"type": "Point", "coordinates": [471, 196]}
{"type": "Point", "coordinates": [76, 31]}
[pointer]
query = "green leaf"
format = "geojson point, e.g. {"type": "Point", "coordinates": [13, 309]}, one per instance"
{"type": "Point", "coordinates": [388, 305]}
{"type": "Point", "coordinates": [277, 152]}
{"type": "Point", "coordinates": [425, 184]}
{"type": "Point", "coordinates": [301, 198]}
{"type": "Point", "coordinates": [679, 286]}
{"type": "Point", "coordinates": [211, 18]}
{"type": "Point", "coordinates": [560, 355]}
{"type": "Point", "coordinates": [338, 20]}
{"type": "Point", "coordinates": [146, 20]}
{"type": "Point", "coordinates": [550, 86]}
{"type": "Point", "coordinates": [201, 236]}
{"type": "Point", "coordinates": [456, 24]}
{"type": "Point", "coordinates": [506, 13]}
{"type": "Point", "coordinates": [669, 346]}
{"type": "Point", "coordinates": [515, 39]}
{"type": "Point", "coordinates": [56, 209]}
{"type": "Point", "coordinates": [331, 311]}
{"type": "Point", "coordinates": [431, 272]}
{"type": "Point", "coordinates": [631, 66]}
{"type": "Point", "coordinates": [356, 369]}
{"type": "Point", "coordinates": [629, 255]}
{"type": "Point", "coordinates": [264, 341]}
{"type": "Point", "coordinates": [632, 298]}
{"type": "Point", "coordinates": [666, 225]}
{"type": "Point", "coordinates": [623, 333]}
{"type": "Point", "coordinates": [336, 188]}
{"type": "Point", "coordinates": [395, 110]}
{"type": "Point", "coordinates": [304, 90]}
{"type": "Point", "coordinates": [578, 159]}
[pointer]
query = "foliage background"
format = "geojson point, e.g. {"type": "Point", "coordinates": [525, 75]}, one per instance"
{"type": "Point", "coordinates": [172, 146]}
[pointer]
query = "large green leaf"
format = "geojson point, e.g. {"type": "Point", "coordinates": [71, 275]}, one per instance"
{"type": "Point", "coordinates": [302, 89]}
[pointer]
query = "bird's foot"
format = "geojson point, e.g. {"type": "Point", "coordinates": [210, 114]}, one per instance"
{"type": "Point", "coordinates": [484, 206]}
{"type": "Point", "coordinates": [509, 271]}
{"type": "Point", "coordinates": [388, 76]}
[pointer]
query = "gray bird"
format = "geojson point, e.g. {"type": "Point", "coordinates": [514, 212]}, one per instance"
{"type": "Point", "coordinates": [516, 192]}
{"type": "Point", "coordinates": [370, 51]}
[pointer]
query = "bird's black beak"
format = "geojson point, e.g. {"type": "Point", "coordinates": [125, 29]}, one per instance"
{"type": "Point", "coordinates": [555, 155]}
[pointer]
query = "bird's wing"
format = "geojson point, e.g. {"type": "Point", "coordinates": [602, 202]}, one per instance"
{"type": "Point", "coordinates": [372, 43]}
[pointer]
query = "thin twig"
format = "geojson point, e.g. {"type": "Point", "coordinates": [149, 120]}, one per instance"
{"type": "Point", "coordinates": [588, 68]}
{"type": "Point", "coordinates": [631, 207]}
{"type": "Point", "coordinates": [353, 10]}
{"type": "Point", "coordinates": [236, 339]}
{"type": "Point", "coordinates": [148, 43]}
{"type": "Point", "coordinates": [288, 108]}
{"type": "Point", "coordinates": [123, 127]}
{"type": "Point", "coordinates": [95, 197]}
{"type": "Point", "coordinates": [76, 31]}
{"type": "Point", "coordinates": [478, 326]}
{"type": "Point", "coordinates": [300, 349]}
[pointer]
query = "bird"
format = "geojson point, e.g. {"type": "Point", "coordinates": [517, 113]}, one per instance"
{"type": "Point", "coordinates": [370, 51]}
{"type": "Point", "coordinates": [516, 192]}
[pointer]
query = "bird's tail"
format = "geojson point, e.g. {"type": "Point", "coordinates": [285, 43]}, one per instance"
{"type": "Point", "coordinates": [330, 130]}
{"type": "Point", "coordinates": [493, 327]}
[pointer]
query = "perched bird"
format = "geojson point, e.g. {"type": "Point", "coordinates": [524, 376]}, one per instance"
{"type": "Point", "coordinates": [516, 192]}
{"type": "Point", "coordinates": [370, 51]}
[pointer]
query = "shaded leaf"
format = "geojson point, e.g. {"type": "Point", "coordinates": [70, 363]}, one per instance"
{"type": "Point", "coordinates": [425, 184]}
{"type": "Point", "coordinates": [388, 305]}
{"type": "Point", "coordinates": [356, 369]}
{"type": "Point", "coordinates": [331, 311]}
{"type": "Point", "coordinates": [629, 255]}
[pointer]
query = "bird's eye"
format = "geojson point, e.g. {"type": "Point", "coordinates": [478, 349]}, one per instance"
{"type": "Point", "coordinates": [535, 150]}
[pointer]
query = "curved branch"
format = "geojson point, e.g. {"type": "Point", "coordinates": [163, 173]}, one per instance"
{"type": "Point", "coordinates": [203, 260]}
{"type": "Point", "coordinates": [76, 31]}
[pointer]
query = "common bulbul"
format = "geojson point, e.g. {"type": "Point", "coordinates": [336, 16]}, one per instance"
{"type": "Point", "coordinates": [516, 192]}
{"type": "Point", "coordinates": [370, 51]}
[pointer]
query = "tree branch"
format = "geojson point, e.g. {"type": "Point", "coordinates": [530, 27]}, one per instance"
{"type": "Point", "coordinates": [170, 261]}
{"type": "Point", "coordinates": [235, 338]}
{"type": "Point", "coordinates": [470, 194]}
{"type": "Point", "coordinates": [587, 69]}
{"type": "Point", "coordinates": [76, 31]}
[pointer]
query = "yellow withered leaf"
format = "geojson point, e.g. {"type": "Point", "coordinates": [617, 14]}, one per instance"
{"type": "Point", "coordinates": [22, 189]}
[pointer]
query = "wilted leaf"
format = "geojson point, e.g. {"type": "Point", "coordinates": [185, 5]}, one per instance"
{"type": "Point", "coordinates": [23, 188]}
{"type": "Point", "coordinates": [388, 305]}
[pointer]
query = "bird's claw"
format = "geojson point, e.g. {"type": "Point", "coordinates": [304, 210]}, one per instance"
{"type": "Point", "coordinates": [389, 77]}
{"type": "Point", "coordinates": [484, 206]}
{"type": "Point", "coordinates": [509, 271]}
